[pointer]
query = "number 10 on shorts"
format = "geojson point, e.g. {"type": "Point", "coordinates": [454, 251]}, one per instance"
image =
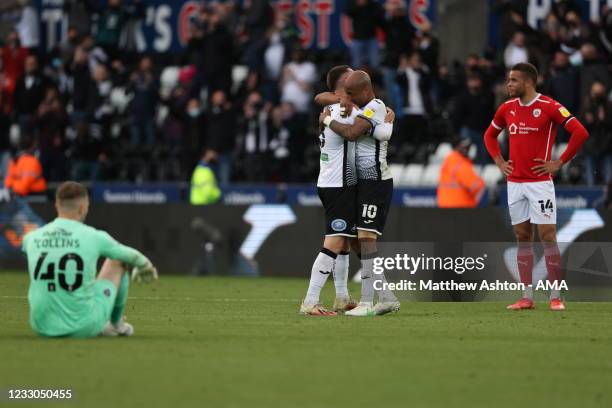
{"type": "Point", "coordinates": [369, 211]}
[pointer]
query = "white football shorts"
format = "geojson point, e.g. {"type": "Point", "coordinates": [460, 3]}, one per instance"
{"type": "Point", "coordinates": [533, 201]}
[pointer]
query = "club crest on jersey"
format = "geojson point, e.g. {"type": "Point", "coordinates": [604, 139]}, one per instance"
{"type": "Point", "coordinates": [537, 113]}
{"type": "Point", "coordinates": [338, 224]}
{"type": "Point", "coordinates": [564, 112]}
{"type": "Point", "coordinates": [368, 113]}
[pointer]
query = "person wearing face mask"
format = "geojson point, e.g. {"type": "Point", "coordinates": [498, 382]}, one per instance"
{"type": "Point", "coordinates": [255, 136]}
{"type": "Point", "coordinates": [597, 115]}
{"type": "Point", "coordinates": [459, 186]}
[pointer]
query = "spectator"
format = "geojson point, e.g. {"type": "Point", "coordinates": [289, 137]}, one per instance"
{"type": "Point", "coordinates": [280, 146]}
{"type": "Point", "coordinates": [218, 54]}
{"type": "Point", "coordinates": [29, 92]}
{"type": "Point", "coordinates": [5, 124]}
{"type": "Point", "coordinates": [414, 79]}
{"type": "Point", "coordinates": [399, 38]}
{"type": "Point", "coordinates": [86, 154]}
{"type": "Point", "coordinates": [597, 116]}
{"type": "Point", "coordinates": [51, 123]}
{"type": "Point", "coordinates": [573, 32]}
{"type": "Point", "coordinates": [563, 82]}
{"type": "Point", "coordinates": [220, 131]}
{"type": "Point", "coordinates": [474, 109]}
{"type": "Point", "coordinates": [28, 26]}
{"type": "Point", "coordinates": [460, 186]}
{"type": "Point", "coordinates": [13, 61]}
{"type": "Point", "coordinates": [82, 84]}
{"type": "Point", "coordinates": [276, 52]}
{"type": "Point", "coordinates": [516, 51]}
{"type": "Point", "coordinates": [204, 189]}
{"type": "Point", "coordinates": [593, 69]}
{"type": "Point", "coordinates": [111, 20]}
{"type": "Point", "coordinates": [297, 80]}
{"type": "Point", "coordinates": [429, 48]}
{"type": "Point", "coordinates": [143, 87]}
{"type": "Point", "coordinates": [79, 15]}
{"type": "Point", "coordinates": [25, 173]}
{"type": "Point", "coordinates": [99, 108]}
{"type": "Point", "coordinates": [258, 18]}
{"type": "Point", "coordinates": [366, 16]}
{"type": "Point", "coordinates": [255, 139]}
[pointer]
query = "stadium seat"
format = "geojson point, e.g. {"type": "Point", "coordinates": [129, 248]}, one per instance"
{"type": "Point", "coordinates": [558, 150]}
{"type": "Point", "coordinates": [396, 172]}
{"type": "Point", "coordinates": [431, 175]}
{"type": "Point", "coordinates": [440, 154]}
{"type": "Point", "coordinates": [412, 175]}
{"type": "Point", "coordinates": [491, 175]}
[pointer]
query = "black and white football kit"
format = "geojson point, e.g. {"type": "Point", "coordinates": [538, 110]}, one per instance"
{"type": "Point", "coordinates": [374, 180]}
{"type": "Point", "coordinates": [337, 178]}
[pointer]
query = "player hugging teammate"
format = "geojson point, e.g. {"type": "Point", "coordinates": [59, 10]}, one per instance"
{"type": "Point", "coordinates": [355, 187]}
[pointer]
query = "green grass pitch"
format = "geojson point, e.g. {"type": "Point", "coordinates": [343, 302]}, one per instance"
{"type": "Point", "coordinates": [233, 342]}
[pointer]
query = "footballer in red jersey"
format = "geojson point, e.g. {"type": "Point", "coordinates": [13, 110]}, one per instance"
{"type": "Point", "coordinates": [532, 120]}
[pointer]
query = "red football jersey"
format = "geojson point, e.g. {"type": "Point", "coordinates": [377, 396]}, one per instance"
{"type": "Point", "coordinates": [532, 130]}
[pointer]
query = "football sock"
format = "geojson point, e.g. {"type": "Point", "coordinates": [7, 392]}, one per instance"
{"type": "Point", "coordinates": [341, 274]}
{"type": "Point", "coordinates": [367, 276]}
{"type": "Point", "coordinates": [553, 266]}
{"type": "Point", "coordinates": [524, 260]}
{"type": "Point", "coordinates": [121, 300]}
{"type": "Point", "coordinates": [384, 295]}
{"type": "Point", "coordinates": [321, 269]}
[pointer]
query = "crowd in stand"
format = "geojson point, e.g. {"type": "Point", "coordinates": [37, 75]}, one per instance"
{"type": "Point", "coordinates": [240, 95]}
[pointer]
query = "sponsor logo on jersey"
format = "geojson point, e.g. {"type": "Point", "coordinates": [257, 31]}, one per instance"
{"type": "Point", "coordinates": [564, 112]}
{"type": "Point", "coordinates": [338, 224]}
{"type": "Point", "coordinates": [368, 113]}
{"type": "Point", "coordinates": [512, 129]}
{"type": "Point", "coordinates": [537, 113]}
{"type": "Point", "coordinates": [107, 292]}
{"type": "Point", "coordinates": [324, 157]}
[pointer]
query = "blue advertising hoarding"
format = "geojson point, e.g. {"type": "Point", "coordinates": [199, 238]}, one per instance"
{"type": "Point", "coordinates": [321, 23]}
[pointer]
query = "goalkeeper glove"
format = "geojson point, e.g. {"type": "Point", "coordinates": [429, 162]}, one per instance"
{"type": "Point", "coordinates": [145, 273]}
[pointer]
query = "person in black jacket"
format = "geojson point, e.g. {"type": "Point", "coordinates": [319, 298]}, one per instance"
{"type": "Point", "coordinates": [473, 112]}
{"type": "Point", "coordinates": [399, 39]}
{"type": "Point", "coordinates": [29, 92]}
{"type": "Point", "coordinates": [221, 134]}
{"type": "Point", "coordinates": [366, 15]}
{"type": "Point", "coordinates": [415, 81]}
{"type": "Point", "coordinates": [597, 117]}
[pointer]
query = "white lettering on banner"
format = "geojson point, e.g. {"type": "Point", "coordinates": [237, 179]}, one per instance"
{"type": "Point", "coordinates": [163, 41]}
{"type": "Point", "coordinates": [238, 198]}
{"type": "Point", "coordinates": [539, 9]}
{"type": "Point", "coordinates": [51, 18]}
{"type": "Point", "coordinates": [264, 220]}
{"type": "Point", "coordinates": [309, 199]}
{"type": "Point", "coordinates": [572, 202]}
{"type": "Point", "coordinates": [145, 197]}
{"type": "Point", "coordinates": [409, 200]}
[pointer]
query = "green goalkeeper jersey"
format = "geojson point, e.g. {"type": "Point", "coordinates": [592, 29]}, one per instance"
{"type": "Point", "coordinates": [62, 264]}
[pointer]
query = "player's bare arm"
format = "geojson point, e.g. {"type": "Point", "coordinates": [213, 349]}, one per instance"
{"type": "Point", "coordinates": [546, 167]}
{"type": "Point", "coordinates": [350, 132]}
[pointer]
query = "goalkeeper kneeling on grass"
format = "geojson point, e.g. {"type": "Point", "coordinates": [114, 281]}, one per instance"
{"type": "Point", "coordinates": [65, 296]}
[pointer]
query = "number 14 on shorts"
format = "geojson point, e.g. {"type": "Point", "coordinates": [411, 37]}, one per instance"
{"type": "Point", "coordinates": [546, 205]}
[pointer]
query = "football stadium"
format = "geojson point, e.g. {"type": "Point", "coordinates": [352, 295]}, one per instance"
{"type": "Point", "coordinates": [274, 203]}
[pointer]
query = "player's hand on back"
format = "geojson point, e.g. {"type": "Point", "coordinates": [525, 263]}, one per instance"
{"type": "Point", "coordinates": [546, 167]}
{"type": "Point", "coordinates": [390, 116]}
{"type": "Point", "coordinates": [346, 107]}
{"type": "Point", "coordinates": [146, 273]}
{"type": "Point", "coordinates": [326, 112]}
